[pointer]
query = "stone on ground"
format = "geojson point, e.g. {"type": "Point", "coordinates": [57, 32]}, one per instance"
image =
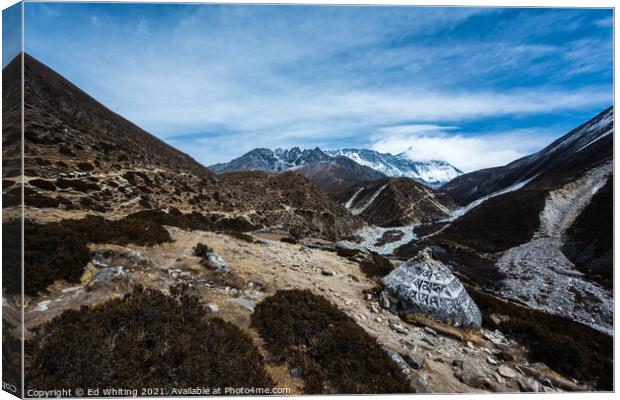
{"type": "Point", "coordinates": [428, 287]}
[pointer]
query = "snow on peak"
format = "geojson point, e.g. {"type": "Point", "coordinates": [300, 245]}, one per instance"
{"type": "Point", "coordinates": [430, 172]}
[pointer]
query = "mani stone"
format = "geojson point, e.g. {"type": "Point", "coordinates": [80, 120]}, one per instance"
{"type": "Point", "coordinates": [428, 287]}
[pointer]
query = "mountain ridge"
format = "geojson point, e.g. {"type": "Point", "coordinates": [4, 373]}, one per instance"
{"type": "Point", "coordinates": [430, 172]}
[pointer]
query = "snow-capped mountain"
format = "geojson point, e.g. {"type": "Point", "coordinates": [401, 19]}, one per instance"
{"type": "Point", "coordinates": [431, 172]}
{"type": "Point", "coordinates": [262, 159]}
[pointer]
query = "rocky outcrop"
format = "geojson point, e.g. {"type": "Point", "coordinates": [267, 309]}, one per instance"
{"type": "Point", "coordinates": [426, 286]}
{"type": "Point", "coordinates": [396, 202]}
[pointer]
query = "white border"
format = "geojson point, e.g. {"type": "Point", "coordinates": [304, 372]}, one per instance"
{"type": "Point", "coordinates": [478, 3]}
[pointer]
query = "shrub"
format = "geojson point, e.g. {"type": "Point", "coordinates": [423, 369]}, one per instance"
{"type": "Point", "coordinates": [59, 250]}
{"type": "Point", "coordinates": [40, 201]}
{"type": "Point", "coordinates": [371, 263]}
{"type": "Point", "coordinates": [201, 250]}
{"type": "Point", "coordinates": [237, 224]}
{"type": "Point", "coordinates": [499, 223]}
{"type": "Point", "coordinates": [375, 265]}
{"type": "Point", "coordinates": [571, 348]}
{"type": "Point", "coordinates": [43, 184]}
{"type": "Point", "coordinates": [241, 236]}
{"type": "Point", "coordinates": [77, 184]}
{"type": "Point", "coordinates": [144, 340]}
{"type": "Point", "coordinates": [65, 151]}
{"type": "Point", "coordinates": [335, 354]}
{"type": "Point", "coordinates": [85, 166]}
{"type": "Point", "coordinates": [288, 239]}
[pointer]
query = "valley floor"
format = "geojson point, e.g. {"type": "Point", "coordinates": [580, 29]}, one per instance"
{"type": "Point", "coordinates": [261, 268]}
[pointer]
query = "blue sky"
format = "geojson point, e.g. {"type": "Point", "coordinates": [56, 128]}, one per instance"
{"type": "Point", "coordinates": [477, 87]}
{"type": "Point", "coordinates": [11, 33]}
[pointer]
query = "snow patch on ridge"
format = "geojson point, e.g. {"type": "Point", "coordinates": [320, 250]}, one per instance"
{"type": "Point", "coordinates": [359, 210]}
{"type": "Point", "coordinates": [459, 212]}
{"type": "Point", "coordinates": [564, 205]}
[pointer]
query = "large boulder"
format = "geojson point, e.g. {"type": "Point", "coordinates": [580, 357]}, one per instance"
{"type": "Point", "coordinates": [426, 286]}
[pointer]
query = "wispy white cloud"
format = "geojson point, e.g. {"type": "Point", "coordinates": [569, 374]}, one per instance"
{"type": "Point", "coordinates": [468, 153]}
{"type": "Point", "coordinates": [276, 76]}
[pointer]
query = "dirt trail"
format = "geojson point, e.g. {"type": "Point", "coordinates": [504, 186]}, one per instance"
{"type": "Point", "coordinates": [258, 270]}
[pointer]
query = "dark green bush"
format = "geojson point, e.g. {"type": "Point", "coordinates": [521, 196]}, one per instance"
{"type": "Point", "coordinates": [375, 265]}
{"type": "Point", "coordinates": [7, 183]}
{"type": "Point", "coordinates": [144, 340]}
{"type": "Point", "coordinates": [201, 250]}
{"type": "Point", "coordinates": [573, 349]}
{"type": "Point", "coordinates": [40, 201]}
{"type": "Point", "coordinates": [372, 264]}
{"type": "Point", "coordinates": [241, 236]}
{"type": "Point", "coordinates": [77, 184]}
{"type": "Point", "coordinates": [288, 239]}
{"type": "Point", "coordinates": [85, 166]}
{"type": "Point", "coordinates": [335, 354]}
{"type": "Point", "coordinates": [59, 250]}
{"type": "Point", "coordinates": [43, 184]}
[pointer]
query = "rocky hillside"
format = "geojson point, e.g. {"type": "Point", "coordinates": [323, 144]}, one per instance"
{"type": "Point", "coordinates": [569, 156]}
{"type": "Point", "coordinates": [336, 175]}
{"type": "Point", "coordinates": [396, 202]}
{"type": "Point", "coordinates": [80, 156]}
{"type": "Point", "coordinates": [543, 236]}
{"type": "Point", "coordinates": [132, 247]}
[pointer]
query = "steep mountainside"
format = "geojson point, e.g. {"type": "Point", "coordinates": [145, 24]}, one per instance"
{"type": "Point", "coordinates": [568, 156]}
{"type": "Point", "coordinates": [543, 236]}
{"type": "Point", "coordinates": [336, 175]}
{"type": "Point", "coordinates": [432, 173]}
{"type": "Point", "coordinates": [396, 202]}
{"type": "Point", "coordinates": [82, 157]}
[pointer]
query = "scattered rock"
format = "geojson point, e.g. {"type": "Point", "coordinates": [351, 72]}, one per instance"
{"type": "Point", "coordinates": [427, 286]}
{"type": "Point", "coordinates": [384, 301]}
{"type": "Point", "coordinates": [213, 308]}
{"type": "Point", "coordinates": [420, 385]}
{"type": "Point", "coordinates": [473, 375]}
{"type": "Point", "coordinates": [108, 273]}
{"type": "Point", "coordinates": [498, 319]}
{"type": "Point", "coordinates": [296, 372]}
{"type": "Point", "coordinates": [215, 261]}
{"type": "Point", "coordinates": [508, 354]}
{"type": "Point", "coordinates": [527, 384]}
{"type": "Point", "coordinates": [415, 360]}
{"type": "Point", "coordinates": [43, 306]}
{"type": "Point", "coordinates": [398, 359]}
{"type": "Point", "coordinates": [247, 304]}
{"type": "Point", "coordinates": [327, 272]}
{"type": "Point", "coordinates": [430, 330]}
{"type": "Point", "coordinates": [506, 371]}
{"type": "Point", "coordinates": [374, 308]}
{"type": "Point", "coordinates": [398, 328]}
